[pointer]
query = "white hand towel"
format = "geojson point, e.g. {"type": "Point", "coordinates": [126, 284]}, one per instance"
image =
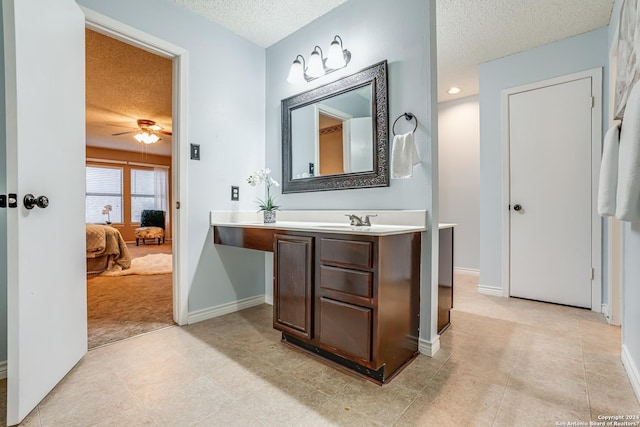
{"type": "Point", "coordinates": [628, 194]}
{"type": "Point", "coordinates": [609, 173]}
{"type": "Point", "coordinates": [404, 156]}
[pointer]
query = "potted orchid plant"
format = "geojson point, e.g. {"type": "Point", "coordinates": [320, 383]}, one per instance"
{"type": "Point", "coordinates": [107, 211]}
{"type": "Point", "coordinates": [268, 205]}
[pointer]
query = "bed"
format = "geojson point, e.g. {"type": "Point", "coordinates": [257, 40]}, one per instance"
{"type": "Point", "coordinates": [106, 249]}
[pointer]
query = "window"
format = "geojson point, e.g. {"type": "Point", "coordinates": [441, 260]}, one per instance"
{"type": "Point", "coordinates": [103, 187]}
{"type": "Point", "coordinates": [143, 193]}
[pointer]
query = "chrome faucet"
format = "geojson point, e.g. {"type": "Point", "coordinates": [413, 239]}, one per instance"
{"type": "Point", "coordinates": [359, 222]}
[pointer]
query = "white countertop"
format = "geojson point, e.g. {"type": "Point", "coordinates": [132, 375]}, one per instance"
{"type": "Point", "coordinates": [384, 224]}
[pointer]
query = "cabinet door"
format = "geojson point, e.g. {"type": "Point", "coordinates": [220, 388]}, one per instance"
{"type": "Point", "coordinates": [292, 294]}
{"type": "Point", "coordinates": [445, 279]}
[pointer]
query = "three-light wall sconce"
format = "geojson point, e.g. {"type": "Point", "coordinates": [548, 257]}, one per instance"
{"type": "Point", "coordinates": [337, 58]}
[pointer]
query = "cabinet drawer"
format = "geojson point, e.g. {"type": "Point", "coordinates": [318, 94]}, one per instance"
{"type": "Point", "coordinates": [346, 327]}
{"type": "Point", "coordinates": [346, 252]}
{"type": "Point", "coordinates": [350, 281]}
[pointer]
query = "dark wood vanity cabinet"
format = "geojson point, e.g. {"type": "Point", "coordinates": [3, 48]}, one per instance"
{"type": "Point", "coordinates": [351, 299]}
{"type": "Point", "coordinates": [365, 299]}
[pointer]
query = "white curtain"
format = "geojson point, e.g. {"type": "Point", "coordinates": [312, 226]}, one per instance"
{"type": "Point", "coordinates": [161, 192]}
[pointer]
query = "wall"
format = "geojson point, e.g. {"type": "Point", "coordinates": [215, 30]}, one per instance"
{"type": "Point", "coordinates": [582, 52]}
{"type": "Point", "coordinates": [459, 165]}
{"type": "Point", "coordinates": [127, 228]}
{"type": "Point", "coordinates": [226, 117]}
{"type": "Point", "coordinates": [631, 272]}
{"type": "Point", "coordinates": [3, 212]}
{"type": "Point", "coordinates": [402, 32]}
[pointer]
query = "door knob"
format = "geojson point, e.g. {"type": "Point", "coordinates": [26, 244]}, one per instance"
{"type": "Point", "coordinates": [517, 207]}
{"type": "Point", "coordinates": [30, 201]}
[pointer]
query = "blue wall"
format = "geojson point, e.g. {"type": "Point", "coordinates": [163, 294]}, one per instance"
{"type": "Point", "coordinates": [373, 31]}
{"type": "Point", "coordinates": [579, 53]}
{"type": "Point", "coordinates": [225, 115]}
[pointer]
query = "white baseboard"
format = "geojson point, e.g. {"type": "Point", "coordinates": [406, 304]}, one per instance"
{"type": "Point", "coordinates": [268, 299]}
{"type": "Point", "coordinates": [429, 348]}
{"type": "Point", "coordinates": [632, 371]}
{"type": "Point", "coordinates": [221, 310]}
{"type": "Point", "coordinates": [605, 311]}
{"type": "Point", "coordinates": [469, 271]}
{"type": "Point", "coordinates": [3, 370]}
{"type": "Point", "coordinates": [490, 290]}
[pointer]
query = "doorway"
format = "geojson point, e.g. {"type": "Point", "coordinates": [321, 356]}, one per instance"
{"type": "Point", "coordinates": [177, 209]}
{"type": "Point", "coordinates": [552, 233]}
{"type": "Point", "coordinates": [128, 165]}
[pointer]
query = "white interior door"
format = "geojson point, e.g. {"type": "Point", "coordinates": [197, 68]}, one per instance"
{"type": "Point", "coordinates": [550, 171]}
{"type": "Point", "coordinates": [47, 320]}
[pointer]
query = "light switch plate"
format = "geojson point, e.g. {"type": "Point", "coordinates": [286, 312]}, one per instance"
{"type": "Point", "coordinates": [195, 151]}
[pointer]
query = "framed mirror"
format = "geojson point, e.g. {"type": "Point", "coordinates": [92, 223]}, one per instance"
{"type": "Point", "coordinates": [336, 136]}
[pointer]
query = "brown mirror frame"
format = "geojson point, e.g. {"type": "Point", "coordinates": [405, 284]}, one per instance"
{"type": "Point", "coordinates": [376, 76]}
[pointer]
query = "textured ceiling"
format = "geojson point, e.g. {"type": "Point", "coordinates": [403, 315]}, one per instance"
{"type": "Point", "coordinates": [124, 84]}
{"type": "Point", "coordinates": [262, 22]}
{"type": "Point", "coordinates": [471, 32]}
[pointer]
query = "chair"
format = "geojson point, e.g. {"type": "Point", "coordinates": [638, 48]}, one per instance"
{"type": "Point", "coordinates": [151, 226]}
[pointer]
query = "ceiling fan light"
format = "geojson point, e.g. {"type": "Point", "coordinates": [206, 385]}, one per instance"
{"type": "Point", "coordinates": [146, 138]}
{"type": "Point", "coordinates": [335, 58]}
{"type": "Point", "coordinates": [316, 65]}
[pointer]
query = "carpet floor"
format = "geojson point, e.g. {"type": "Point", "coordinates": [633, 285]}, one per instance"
{"type": "Point", "coordinates": [126, 306]}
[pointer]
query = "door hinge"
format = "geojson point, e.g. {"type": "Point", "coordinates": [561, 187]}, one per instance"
{"type": "Point", "coordinates": [592, 101]}
{"type": "Point", "coordinates": [593, 273]}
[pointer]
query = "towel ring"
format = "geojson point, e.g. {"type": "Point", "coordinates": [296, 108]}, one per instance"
{"type": "Point", "coordinates": [407, 116]}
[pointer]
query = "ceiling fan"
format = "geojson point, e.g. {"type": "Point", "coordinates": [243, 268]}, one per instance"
{"type": "Point", "coordinates": [147, 132]}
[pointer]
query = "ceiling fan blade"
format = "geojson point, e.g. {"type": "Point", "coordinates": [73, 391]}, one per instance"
{"type": "Point", "coordinates": [165, 132]}
{"type": "Point", "coordinates": [123, 133]}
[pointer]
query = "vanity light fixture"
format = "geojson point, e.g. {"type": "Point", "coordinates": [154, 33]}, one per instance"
{"type": "Point", "coordinates": [454, 90]}
{"type": "Point", "coordinates": [146, 137]}
{"type": "Point", "coordinates": [318, 65]}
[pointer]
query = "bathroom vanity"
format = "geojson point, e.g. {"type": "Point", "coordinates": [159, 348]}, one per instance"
{"type": "Point", "coordinates": [347, 294]}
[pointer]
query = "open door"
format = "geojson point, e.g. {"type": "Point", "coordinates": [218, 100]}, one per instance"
{"type": "Point", "coordinates": [47, 321]}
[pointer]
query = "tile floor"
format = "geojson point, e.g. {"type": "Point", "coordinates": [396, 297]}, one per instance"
{"type": "Point", "coordinates": [504, 362]}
